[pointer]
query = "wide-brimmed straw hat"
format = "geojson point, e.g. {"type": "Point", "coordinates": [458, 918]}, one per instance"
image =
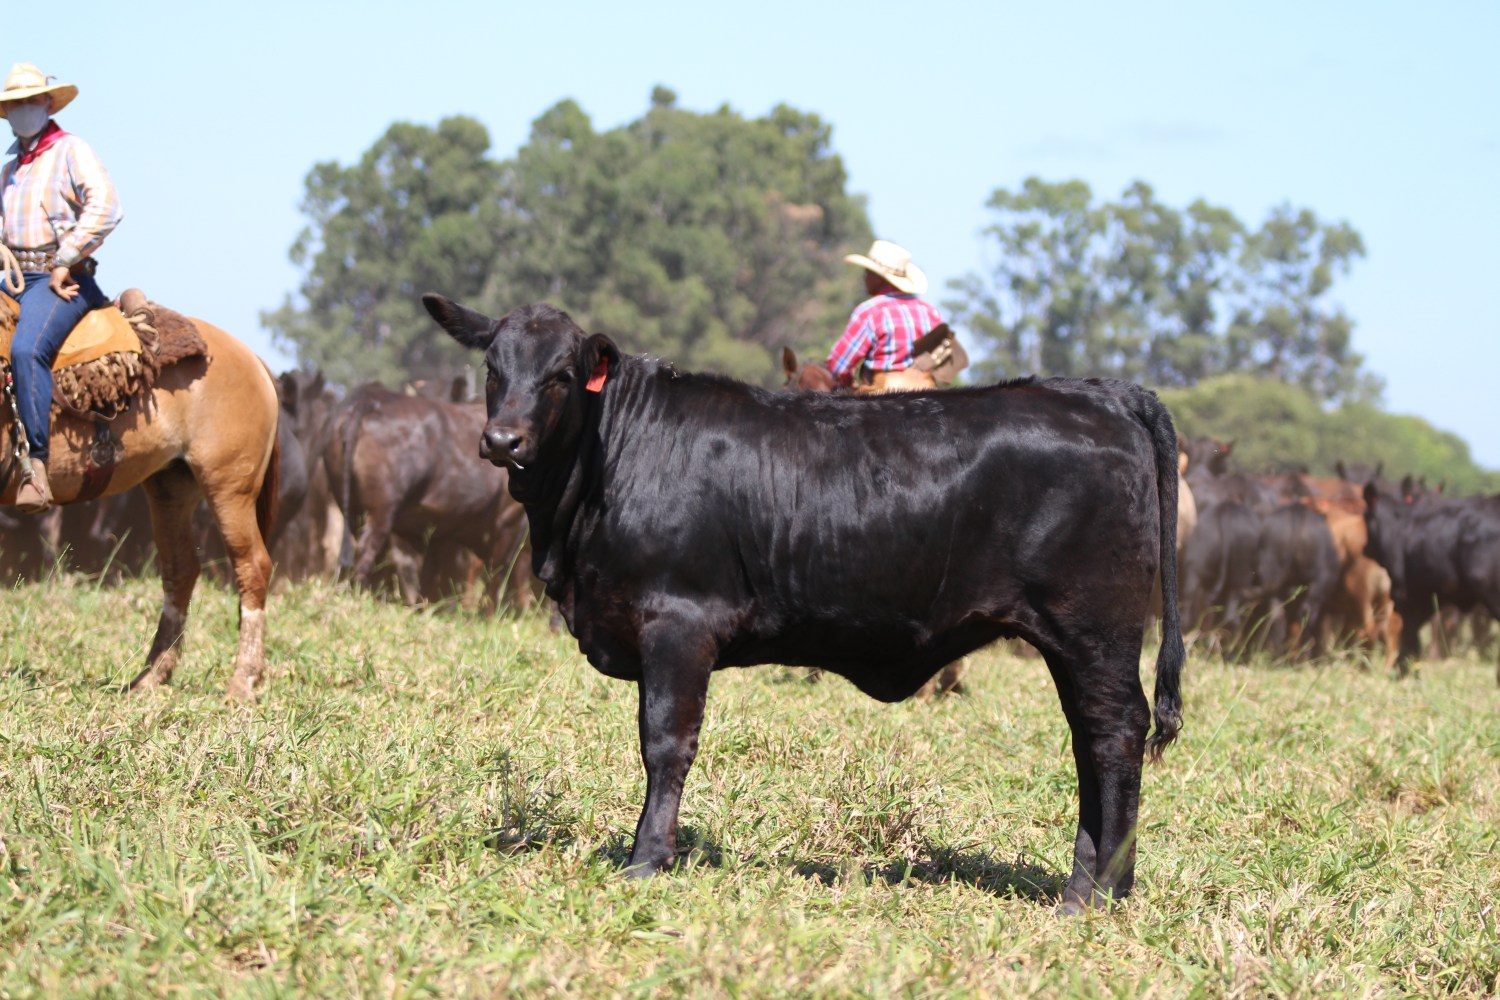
{"type": "Point", "coordinates": [25, 80]}
{"type": "Point", "coordinates": [893, 263]}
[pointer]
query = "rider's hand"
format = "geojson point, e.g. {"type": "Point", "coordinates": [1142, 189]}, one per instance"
{"type": "Point", "coordinates": [62, 284]}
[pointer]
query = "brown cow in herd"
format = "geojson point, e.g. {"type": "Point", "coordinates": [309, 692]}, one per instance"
{"type": "Point", "coordinates": [423, 505]}
{"type": "Point", "coordinates": [1359, 606]}
{"type": "Point", "coordinates": [439, 515]}
{"type": "Point", "coordinates": [400, 467]}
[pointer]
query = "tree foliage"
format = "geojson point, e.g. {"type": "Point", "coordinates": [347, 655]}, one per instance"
{"type": "Point", "coordinates": [708, 239]}
{"type": "Point", "coordinates": [418, 211]}
{"type": "Point", "coordinates": [1138, 289]}
{"type": "Point", "coordinates": [1276, 426]}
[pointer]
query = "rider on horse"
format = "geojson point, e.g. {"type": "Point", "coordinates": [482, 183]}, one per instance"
{"type": "Point", "coordinates": [57, 205]}
{"type": "Point", "coordinates": [882, 330]}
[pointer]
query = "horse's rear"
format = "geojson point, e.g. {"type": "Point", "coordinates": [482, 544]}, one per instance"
{"type": "Point", "coordinates": [210, 433]}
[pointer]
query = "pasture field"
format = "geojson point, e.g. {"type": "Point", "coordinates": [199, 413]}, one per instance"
{"type": "Point", "coordinates": [440, 803]}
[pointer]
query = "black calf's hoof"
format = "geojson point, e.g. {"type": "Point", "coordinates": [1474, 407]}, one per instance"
{"type": "Point", "coordinates": [644, 869]}
{"type": "Point", "coordinates": [1074, 905]}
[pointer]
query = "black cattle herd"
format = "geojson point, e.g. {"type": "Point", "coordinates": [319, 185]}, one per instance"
{"type": "Point", "coordinates": [685, 523]}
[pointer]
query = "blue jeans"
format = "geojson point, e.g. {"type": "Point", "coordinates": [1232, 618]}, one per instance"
{"type": "Point", "coordinates": [46, 320]}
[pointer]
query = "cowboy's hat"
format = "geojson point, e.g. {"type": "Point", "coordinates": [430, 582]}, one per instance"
{"type": "Point", "coordinates": [893, 263]}
{"type": "Point", "coordinates": [25, 80]}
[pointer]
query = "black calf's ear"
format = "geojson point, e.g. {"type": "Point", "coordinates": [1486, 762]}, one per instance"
{"type": "Point", "coordinates": [1371, 495]}
{"type": "Point", "coordinates": [598, 361]}
{"type": "Point", "coordinates": [472, 329]}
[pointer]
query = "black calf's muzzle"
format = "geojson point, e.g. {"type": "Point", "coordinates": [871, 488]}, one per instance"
{"type": "Point", "coordinates": [501, 445]}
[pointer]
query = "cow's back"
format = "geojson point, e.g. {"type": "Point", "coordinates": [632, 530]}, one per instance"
{"type": "Point", "coordinates": [411, 454]}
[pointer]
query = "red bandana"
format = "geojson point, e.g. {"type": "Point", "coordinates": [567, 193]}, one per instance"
{"type": "Point", "coordinates": [51, 134]}
{"type": "Point", "coordinates": [601, 373]}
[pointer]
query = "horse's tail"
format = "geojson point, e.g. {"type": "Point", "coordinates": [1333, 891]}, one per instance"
{"type": "Point", "coordinates": [270, 488]}
{"type": "Point", "coordinates": [1168, 707]}
{"type": "Point", "coordinates": [270, 484]}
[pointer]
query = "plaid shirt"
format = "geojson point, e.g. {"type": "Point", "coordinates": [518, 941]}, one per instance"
{"type": "Point", "coordinates": [880, 334]}
{"type": "Point", "coordinates": [63, 197]}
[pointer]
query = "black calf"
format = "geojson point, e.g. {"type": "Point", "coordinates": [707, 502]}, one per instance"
{"type": "Point", "coordinates": [686, 523]}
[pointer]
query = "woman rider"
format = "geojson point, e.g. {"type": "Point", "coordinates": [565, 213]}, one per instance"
{"type": "Point", "coordinates": [57, 205]}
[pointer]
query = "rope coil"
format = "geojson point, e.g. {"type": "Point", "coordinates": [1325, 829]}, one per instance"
{"type": "Point", "coordinates": [11, 277]}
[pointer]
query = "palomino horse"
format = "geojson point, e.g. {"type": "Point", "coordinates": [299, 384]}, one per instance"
{"type": "Point", "coordinates": [205, 430]}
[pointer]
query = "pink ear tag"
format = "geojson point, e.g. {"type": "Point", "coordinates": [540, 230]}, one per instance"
{"type": "Point", "coordinates": [601, 373]}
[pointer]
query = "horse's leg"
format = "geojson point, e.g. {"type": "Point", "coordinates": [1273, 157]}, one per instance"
{"type": "Point", "coordinates": [234, 510]}
{"type": "Point", "coordinates": [173, 496]}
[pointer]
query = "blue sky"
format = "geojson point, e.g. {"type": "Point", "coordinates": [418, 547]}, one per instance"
{"type": "Point", "coordinates": [210, 115]}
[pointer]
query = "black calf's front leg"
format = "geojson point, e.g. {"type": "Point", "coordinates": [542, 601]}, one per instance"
{"type": "Point", "coordinates": [674, 685]}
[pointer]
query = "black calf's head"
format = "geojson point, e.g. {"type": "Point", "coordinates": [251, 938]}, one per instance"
{"type": "Point", "coordinates": [539, 369]}
{"type": "Point", "coordinates": [1386, 527]}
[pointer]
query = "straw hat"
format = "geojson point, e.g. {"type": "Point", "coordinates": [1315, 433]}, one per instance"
{"type": "Point", "coordinates": [893, 263]}
{"type": "Point", "coordinates": [25, 80]}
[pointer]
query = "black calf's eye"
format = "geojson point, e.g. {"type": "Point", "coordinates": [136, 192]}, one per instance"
{"type": "Point", "coordinates": [563, 377]}
{"type": "Point", "coordinates": [491, 383]}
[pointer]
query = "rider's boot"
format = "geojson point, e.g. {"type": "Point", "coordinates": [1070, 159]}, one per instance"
{"type": "Point", "coordinates": [35, 495]}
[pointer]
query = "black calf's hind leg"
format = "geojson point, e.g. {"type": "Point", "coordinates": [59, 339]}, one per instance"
{"type": "Point", "coordinates": [1107, 712]}
{"type": "Point", "coordinates": [676, 660]}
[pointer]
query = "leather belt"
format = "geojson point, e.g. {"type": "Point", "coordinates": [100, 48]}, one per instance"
{"type": "Point", "coordinates": [36, 259]}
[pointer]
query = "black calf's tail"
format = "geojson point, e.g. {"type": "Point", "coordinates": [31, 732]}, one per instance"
{"type": "Point", "coordinates": [349, 436]}
{"type": "Point", "coordinates": [1169, 659]}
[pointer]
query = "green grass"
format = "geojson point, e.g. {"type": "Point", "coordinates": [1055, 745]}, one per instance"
{"type": "Point", "coordinates": [438, 803]}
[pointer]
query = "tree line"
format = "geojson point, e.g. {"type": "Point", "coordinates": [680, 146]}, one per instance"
{"type": "Point", "coordinates": [715, 239]}
{"type": "Point", "coordinates": [709, 239]}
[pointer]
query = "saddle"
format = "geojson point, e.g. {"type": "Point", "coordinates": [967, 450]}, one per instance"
{"type": "Point", "coordinates": [113, 355]}
{"type": "Point", "coordinates": [939, 354]}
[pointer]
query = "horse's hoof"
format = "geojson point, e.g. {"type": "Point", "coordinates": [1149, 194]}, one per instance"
{"type": "Point", "coordinates": [1070, 908]}
{"type": "Point", "coordinates": [242, 692]}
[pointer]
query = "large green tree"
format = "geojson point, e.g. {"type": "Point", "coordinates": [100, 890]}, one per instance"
{"type": "Point", "coordinates": [419, 210]}
{"type": "Point", "coordinates": [1142, 290]}
{"type": "Point", "coordinates": [708, 239]}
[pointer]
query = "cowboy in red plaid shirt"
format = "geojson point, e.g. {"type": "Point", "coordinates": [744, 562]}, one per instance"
{"type": "Point", "coordinates": [57, 204]}
{"type": "Point", "coordinates": [878, 341]}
